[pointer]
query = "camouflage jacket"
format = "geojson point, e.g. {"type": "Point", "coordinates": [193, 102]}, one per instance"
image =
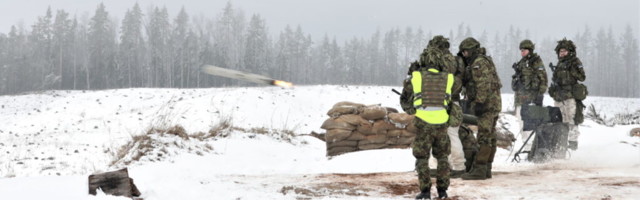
{"type": "Point", "coordinates": [482, 84]}
{"type": "Point", "coordinates": [565, 76]}
{"type": "Point", "coordinates": [530, 79]}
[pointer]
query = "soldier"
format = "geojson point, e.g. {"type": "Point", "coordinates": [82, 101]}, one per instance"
{"type": "Point", "coordinates": [529, 83]}
{"type": "Point", "coordinates": [457, 156]}
{"type": "Point", "coordinates": [483, 94]}
{"type": "Point", "coordinates": [565, 89]}
{"type": "Point", "coordinates": [427, 94]}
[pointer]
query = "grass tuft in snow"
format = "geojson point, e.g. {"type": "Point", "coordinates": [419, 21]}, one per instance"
{"type": "Point", "coordinates": [628, 118]}
{"type": "Point", "coordinates": [158, 143]}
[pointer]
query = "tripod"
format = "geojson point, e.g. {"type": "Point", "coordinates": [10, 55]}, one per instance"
{"type": "Point", "coordinates": [516, 157]}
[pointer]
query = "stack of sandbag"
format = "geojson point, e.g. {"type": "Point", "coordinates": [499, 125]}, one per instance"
{"type": "Point", "coordinates": [635, 132]}
{"type": "Point", "coordinates": [354, 127]}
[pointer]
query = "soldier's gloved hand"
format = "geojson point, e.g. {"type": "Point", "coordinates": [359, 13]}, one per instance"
{"type": "Point", "coordinates": [514, 83]}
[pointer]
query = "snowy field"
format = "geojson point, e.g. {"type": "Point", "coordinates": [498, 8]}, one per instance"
{"type": "Point", "coordinates": [51, 141]}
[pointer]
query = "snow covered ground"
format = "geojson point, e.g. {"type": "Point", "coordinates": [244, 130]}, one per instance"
{"type": "Point", "coordinates": [51, 141]}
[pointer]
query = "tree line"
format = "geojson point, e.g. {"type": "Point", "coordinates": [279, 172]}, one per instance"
{"type": "Point", "coordinates": [153, 49]}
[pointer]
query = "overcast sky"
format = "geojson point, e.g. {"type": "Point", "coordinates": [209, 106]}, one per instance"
{"type": "Point", "coordinates": [361, 18]}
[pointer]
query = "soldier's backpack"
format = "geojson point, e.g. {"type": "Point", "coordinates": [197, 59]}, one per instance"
{"type": "Point", "coordinates": [550, 142]}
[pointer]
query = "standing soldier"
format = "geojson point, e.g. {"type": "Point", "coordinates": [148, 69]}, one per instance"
{"type": "Point", "coordinates": [529, 83]}
{"type": "Point", "coordinates": [483, 94]}
{"type": "Point", "coordinates": [457, 156]}
{"type": "Point", "coordinates": [427, 94]}
{"type": "Point", "coordinates": [565, 89]}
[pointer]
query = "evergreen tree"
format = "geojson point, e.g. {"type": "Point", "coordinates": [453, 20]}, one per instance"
{"type": "Point", "coordinates": [391, 68]}
{"type": "Point", "coordinates": [179, 46]}
{"type": "Point", "coordinates": [101, 48]}
{"type": "Point", "coordinates": [630, 62]}
{"type": "Point", "coordinates": [62, 43]}
{"type": "Point", "coordinates": [158, 33]}
{"type": "Point", "coordinates": [132, 48]}
{"type": "Point", "coordinates": [41, 59]}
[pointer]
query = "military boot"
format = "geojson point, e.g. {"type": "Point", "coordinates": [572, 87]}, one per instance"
{"type": "Point", "coordinates": [469, 156]}
{"type": "Point", "coordinates": [425, 194]}
{"type": "Point", "coordinates": [489, 170]}
{"type": "Point", "coordinates": [442, 194]}
{"type": "Point", "coordinates": [490, 163]}
{"type": "Point", "coordinates": [456, 173]}
{"type": "Point", "coordinates": [479, 172]}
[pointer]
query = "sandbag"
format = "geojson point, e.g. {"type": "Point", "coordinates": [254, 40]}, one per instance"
{"type": "Point", "coordinates": [635, 132]}
{"type": "Point", "coordinates": [373, 112]}
{"type": "Point", "coordinates": [394, 133]}
{"type": "Point", "coordinates": [504, 138]}
{"type": "Point", "coordinates": [398, 146]}
{"type": "Point", "coordinates": [392, 141]}
{"type": "Point", "coordinates": [342, 143]}
{"type": "Point", "coordinates": [373, 139]}
{"type": "Point", "coordinates": [381, 127]}
{"type": "Point", "coordinates": [334, 135]}
{"type": "Point", "coordinates": [400, 118]}
{"type": "Point", "coordinates": [355, 120]}
{"type": "Point", "coordinates": [406, 140]}
{"type": "Point", "coordinates": [340, 150]}
{"type": "Point", "coordinates": [348, 103]}
{"type": "Point", "coordinates": [356, 136]}
{"type": "Point", "coordinates": [406, 133]}
{"type": "Point", "coordinates": [391, 110]}
{"type": "Point", "coordinates": [342, 110]}
{"type": "Point", "coordinates": [366, 129]}
{"type": "Point", "coordinates": [333, 124]}
{"type": "Point", "coordinates": [371, 146]}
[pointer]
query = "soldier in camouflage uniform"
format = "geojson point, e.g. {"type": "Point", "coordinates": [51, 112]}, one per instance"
{"type": "Point", "coordinates": [529, 83]}
{"type": "Point", "coordinates": [430, 138]}
{"type": "Point", "coordinates": [469, 142]}
{"type": "Point", "coordinates": [456, 158]}
{"type": "Point", "coordinates": [483, 94]}
{"type": "Point", "coordinates": [566, 90]}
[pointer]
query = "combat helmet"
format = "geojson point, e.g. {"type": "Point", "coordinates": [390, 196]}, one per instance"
{"type": "Point", "coordinates": [566, 44]}
{"type": "Point", "coordinates": [439, 42]}
{"type": "Point", "coordinates": [469, 44]}
{"type": "Point", "coordinates": [527, 44]}
{"type": "Point", "coordinates": [432, 57]}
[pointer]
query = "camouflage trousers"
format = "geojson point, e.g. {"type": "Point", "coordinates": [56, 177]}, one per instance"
{"type": "Point", "coordinates": [487, 137]}
{"type": "Point", "coordinates": [568, 110]}
{"type": "Point", "coordinates": [432, 138]}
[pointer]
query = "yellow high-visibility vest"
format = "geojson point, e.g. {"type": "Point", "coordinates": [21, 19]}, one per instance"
{"type": "Point", "coordinates": [431, 104]}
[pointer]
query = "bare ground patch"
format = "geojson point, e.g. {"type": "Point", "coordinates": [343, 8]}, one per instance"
{"type": "Point", "coordinates": [393, 185]}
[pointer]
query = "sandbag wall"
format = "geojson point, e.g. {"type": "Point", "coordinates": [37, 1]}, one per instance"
{"type": "Point", "coordinates": [355, 127]}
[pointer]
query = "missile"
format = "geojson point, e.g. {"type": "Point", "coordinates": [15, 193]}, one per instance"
{"type": "Point", "coordinates": [244, 76]}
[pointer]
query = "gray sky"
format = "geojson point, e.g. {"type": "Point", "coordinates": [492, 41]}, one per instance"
{"type": "Point", "coordinates": [348, 18]}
